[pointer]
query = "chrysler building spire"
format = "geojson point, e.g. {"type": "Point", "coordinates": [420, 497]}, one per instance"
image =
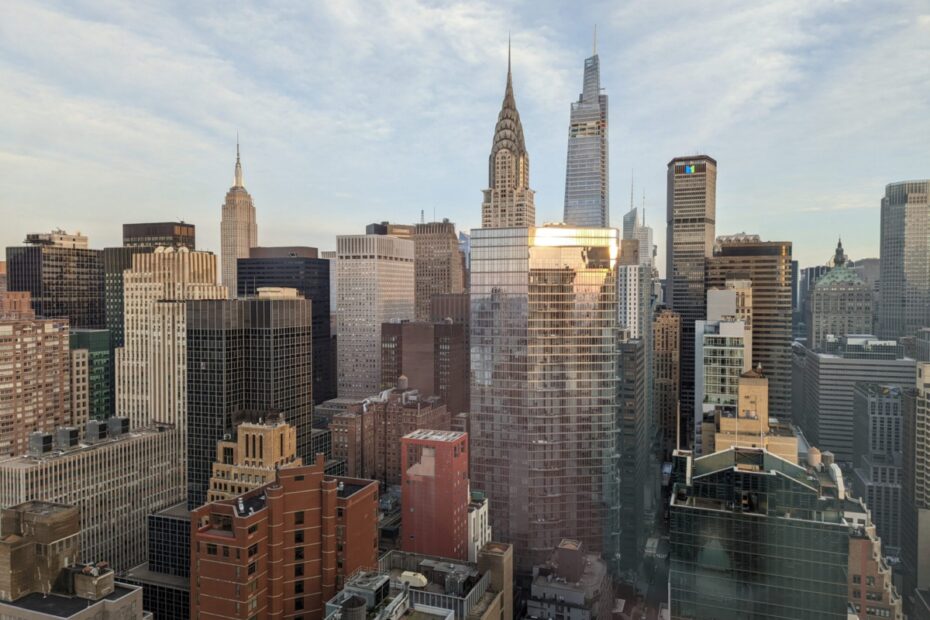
{"type": "Point", "coordinates": [508, 201]}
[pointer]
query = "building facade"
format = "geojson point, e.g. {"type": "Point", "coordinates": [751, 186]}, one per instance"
{"type": "Point", "coordinates": [544, 384]}
{"type": "Point", "coordinates": [508, 201]}
{"type": "Point", "coordinates": [720, 357]}
{"type": "Point", "coordinates": [691, 211]}
{"type": "Point", "coordinates": [154, 234]}
{"type": "Point", "coordinates": [238, 228]}
{"type": "Point", "coordinates": [300, 269]}
{"type": "Point", "coordinates": [63, 275]}
{"type": "Point", "coordinates": [434, 357]}
{"type": "Point", "coordinates": [134, 473]}
{"type": "Point", "coordinates": [96, 344]}
{"type": "Point", "coordinates": [572, 584]}
{"type": "Point", "coordinates": [825, 383]}
{"type": "Point", "coordinates": [840, 304]}
{"type": "Point", "coordinates": [115, 262]}
{"type": "Point", "coordinates": [915, 481]}
{"type": "Point", "coordinates": [666, 329]}
{"type": "Point", "coordinates": [375, 285]}
{"type": "Point", "coordinates": [904, 278]}
{"type": "Point", "coordinates": [767, 266]}
{"type": "Point", "coordinates": [247, 360]}
{"type": "Point", "coordinates": [439, 267]}
{"type": "Point", "coordinates": [282, 550]}
{"type": "Point", "coordinates": [587, 187]}
{"type": "Point", "coordinates": [435, 494]}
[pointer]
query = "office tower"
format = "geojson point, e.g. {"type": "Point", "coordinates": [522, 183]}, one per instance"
{"type": "Point", "coordinates": [404, 231]}
{"type": "Point", "coordinates": [298, 268]}
{"type": "Point", "coordinates": [544, 384]}
{"type": "Point", "coordinates": [434, 357]}
{"type": "Point", "coordinates": [754, 536]}
{"type": "Point", "coordinates": [871, 591]}
{"type": "Point", "coordinates": [905, 259]}
{"type": "Point", "coordinates": [508, 201]}
{"type": "Point", "coordinates": [631, 454]}
{"type": "Point", "coordinates": [96, 345]}
{"type": "Point", "coordinates": [438, 267]}
{"type": "Point", "coordinates": [247, 359]}
{"type": "Point", "coordinates": [115, 476]}
{"type": "Point", "coordinates": [479, 524]}
{"type": "Point", "coordinates": [375, 285]}
{"type": "Point", "coordinates": [826, 384]}
{"type": "Point", "coordinates": [877, 455]}
{"type": "Point", "coordinates": [720, 357]}
{"type": "Point", "coordinates": [40, 576]}
{"type": "Point", "coordinates": [450, 589]}
{"type": "Point", "coordinates": [283, 549]}
{"type": "Point", "coordinates": [642, 234]}
{"type": "Point", "coordinates": [915, 481]}
{"type": "Point", "coordinates": [238, 228]}
{"type": "Point", "coordinates": [64, 276]}
{"type": "Point", "coordinates": [367, 434]}
{"type": "Point", "coordinates": [154, 234]}
{"type": "Point", "coordinates": [435, 494]}
{"type": "Point", "coordinates": [767, 266]}
{"type": "Point", "coordinates": [571, 576]}
{"type": "Point", "coordinates": [634, 286]}
{"type": "Point", "coordinates": [840, 304]}
{"type": "Point", "coordinates": [115, 262]}
{"type": "Point", "coordinates": [746, 422]}
{"type": "Point", "coordinates": [250, 460]}
{"type": "Point", "coordinates": [586, 170]}
{"type": "Point", "coordinates": [35, 378]}
{"type": "Point", "coordinates": [691, 207]}
{"type": "Point", "coordinates": [666, 362]}
{"type": "Point", "coordinates": [152, 366]}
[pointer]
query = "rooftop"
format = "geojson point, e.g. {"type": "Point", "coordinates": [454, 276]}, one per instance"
{"type": "Point", "coordinates": [61, 606]}
{"type": "Point", "coordinates": [431, 435]}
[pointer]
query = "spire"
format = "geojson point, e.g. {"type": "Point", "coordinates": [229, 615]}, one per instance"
{"type": "Point", "coordinates": [238, 177]}
{"type": "Point", "coordinates": [595, 40]}
{"type": "Point", "coordinates": [839, 256]}
{"type": "Point", "coordinates": [509, 131]}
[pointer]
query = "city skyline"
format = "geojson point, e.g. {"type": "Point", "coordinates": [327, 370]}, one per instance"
{"type": "Point", "coordinates": [757, 82]}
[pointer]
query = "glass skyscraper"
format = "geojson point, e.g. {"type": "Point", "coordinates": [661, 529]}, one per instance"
{"type": "Point", "coordinates": [586, 183]}
{"type": "Point", "coordinates": [545, 434]}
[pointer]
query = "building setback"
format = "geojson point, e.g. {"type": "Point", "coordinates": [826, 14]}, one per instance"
{"type": "Point", "coordinates": [544, 333]}
{"type": "Point", "coordinates": [134, 473]}
{"type": "Point", "coordinates": [282, 550]}
{"type": "Point", "coordinates": [904, 279]}
{"type": "Point", "coordinates": [63, 275]}
{"type": "Point", "coordinates": [433, 356]}
{"type": "Point", "coordinates": [247, 359]}
{"type": "Point", "coordinates": [767, 266]}
{"type": "Point", "coordinates": [691, 208]}
{"type": "Point", "coordinates": [375, 285]}
{"type": "Point", "coordinates": [435, 493]}
{"type": "Point", "coordinates": [439, 267]}
{"type": "Point", "coordinates": [587, 185]}
{"type": "Point", "coordinates": [825, 383]}
{"type": "Point", "coordinates": [298, 268]}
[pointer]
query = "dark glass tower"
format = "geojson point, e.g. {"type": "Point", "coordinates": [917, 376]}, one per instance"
{"type": "Point", "coordinates": [246, 359]}
{"type": "Point", "coordinates": [100, 369]}
{"type": "Point", "coordinates": [298, 268]}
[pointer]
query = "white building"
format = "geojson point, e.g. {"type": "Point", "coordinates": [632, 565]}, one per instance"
{"type": "Point", "coordinates": [720, 357]}
{"type": "Point", "coordinates": [479, 525]}
{"type": "Point", "coordinates": [375, 285]}
{"type": "Point", "coordinates": [116, 481]}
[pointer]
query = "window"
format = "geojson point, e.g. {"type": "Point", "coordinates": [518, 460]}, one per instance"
{"type": "Point", "coordinates": [253, 528]}
{"type": "Point", "coordinates": [253, 549]}
{"type": "Point", "coordinates": [252, 568]}
{"type": "Point", "coordinates": [298, 553]}
{"type": "Point", "coordinates": [299, 517]}
{"type": "Point", "coordinates": [211, 549]}
{"type": "Point", "coordinates": [299, 603]}
{"type": "Point", "coordinates": [298, 536]}
{"type": "Point", "coordinates": [225, 551]}
{"type": "Point", "coordinates": [299, 587]}
{"type": "Point", "coordinates": [298, 570]}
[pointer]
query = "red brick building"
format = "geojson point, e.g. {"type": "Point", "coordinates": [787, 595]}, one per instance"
{"type": "Point", "coordinates": [283, 549]}
{"type": "Point", "coordinates": [435, 493]}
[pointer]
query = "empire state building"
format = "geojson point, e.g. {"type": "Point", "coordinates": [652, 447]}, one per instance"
{"type": "Point", "coordinates": [238, 230]}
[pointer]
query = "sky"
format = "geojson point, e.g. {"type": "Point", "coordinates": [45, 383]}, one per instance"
{"type": "Point", "coordinates": [351, 112]}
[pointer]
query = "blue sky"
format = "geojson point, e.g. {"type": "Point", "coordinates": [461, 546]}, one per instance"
{"type": "Point", "coordinates": [356, 111]}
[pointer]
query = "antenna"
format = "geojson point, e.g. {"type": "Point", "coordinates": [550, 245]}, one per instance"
{"type": "Point", "coordinates": [631, 189]}
{"type": "Point", "coordinates": [644, 206]}
{"type": "Point", "coordinates": [595, 39]}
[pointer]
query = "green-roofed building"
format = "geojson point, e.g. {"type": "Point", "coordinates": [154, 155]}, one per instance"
{"type": "Point", "coordinates": [840, 304]}
{"type": "Point", "coordinates": [755, 536]}
{"type": "Point", "coordinates": [99, 370]}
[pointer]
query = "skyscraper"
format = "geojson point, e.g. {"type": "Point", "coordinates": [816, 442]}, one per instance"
{"type": "Point", "coordinates": [63, 275]}
{"type": "Point", "coordinates": [238, 229]}
{"type": "Point", "coordinates": [915, 479]}
{"type": "Point", "coordinates": [96, 342]}
{"type": "Point", "coordinates": [439, 266]}
{"type": "Point", "coordinates": [691, 207]}
{"type": "Point", "coordinates": [667, 377]}
{"type": "Point", "coordinates": [905, 259]}
{"type": "Point", "coordinates": [586, 169]}
{"type": "Point", "coordinates": [508, 201]}
{"type": "Point", "coordinates": [766, 265]}
{"type": "Point", "coordinates": [301, 269]}
{"type": "Point", "coordinates": [375, 285]}
{"type": "Point", "coordinates": [247, 360]}
{"type": "Point", "coordinates": [544, 431]}
{"type": "Point", "coordinates": [840, 304]}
